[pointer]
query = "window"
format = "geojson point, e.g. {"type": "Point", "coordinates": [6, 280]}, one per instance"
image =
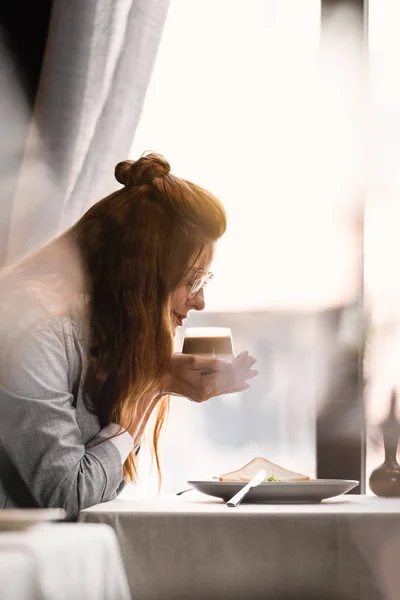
{"type": "Point", "coordinates": [244, 102]}
{"type": "Point", "coordinates": [382, 221]}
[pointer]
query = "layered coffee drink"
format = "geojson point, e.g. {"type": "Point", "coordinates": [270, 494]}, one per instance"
{"type": "Point", "coordinates": [209, 342]}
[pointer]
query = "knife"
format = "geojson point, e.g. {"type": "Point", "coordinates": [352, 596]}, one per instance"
{"type": "Point", "coordinates": [254, 482]}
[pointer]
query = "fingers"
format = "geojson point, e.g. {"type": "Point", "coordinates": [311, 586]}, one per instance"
{"type": "Point", "coordinates": [209, 389]}
{"type": "Point", "coordinates": [250, 374]}
{"type": "Point", "coordinates": [210, 377]}
{"type": "Point", "coordinates": [235, 380]}
{"type": "Point", "coordinates": [243, 366]}
{"type": "Point", "coordinates": [217, 383]}
{"type": "Point", "coordinates": [244, 359]}
{"type": "Point", "coordinates": [210, 365]}
{"type": "Point", "coordinates": [241, 359]}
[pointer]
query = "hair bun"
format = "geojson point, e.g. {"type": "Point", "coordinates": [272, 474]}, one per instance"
{"type": "Point", "coordinates": [142, 171]}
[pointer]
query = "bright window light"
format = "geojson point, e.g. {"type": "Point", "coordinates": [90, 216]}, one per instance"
{"type": "Point", "coordinates": [239, 104]}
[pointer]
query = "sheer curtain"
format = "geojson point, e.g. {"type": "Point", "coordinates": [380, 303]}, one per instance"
{"type": "Point", "coordinates": [98, 62]}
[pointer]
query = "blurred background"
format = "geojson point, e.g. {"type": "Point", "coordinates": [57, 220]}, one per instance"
{"type": "Point", "coordinates": [288, 111]}
{"type": "Point", "coordinates": [269, 113]}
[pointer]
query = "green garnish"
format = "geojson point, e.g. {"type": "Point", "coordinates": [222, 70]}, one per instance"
{"type": "Point", "coordinates": [272, 478]}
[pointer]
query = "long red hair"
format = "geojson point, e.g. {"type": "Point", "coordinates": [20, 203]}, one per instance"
{"type": "Point", "coordinates": [136, 246]}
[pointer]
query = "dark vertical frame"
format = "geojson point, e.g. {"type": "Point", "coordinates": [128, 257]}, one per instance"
{"type": "Point", "coordinates": [24, 33]}
{"type": "Point", "coordinates": [23, 37]}
{"type": "Point", "coordinates": [340, 447]}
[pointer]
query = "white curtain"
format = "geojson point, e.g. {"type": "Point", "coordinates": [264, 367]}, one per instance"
{"type": "Point", "coordinates": [97, 66]}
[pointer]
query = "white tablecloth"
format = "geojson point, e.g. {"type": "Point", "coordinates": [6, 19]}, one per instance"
{"type": "Point", "coordinates": [62, 561]}
{"type": "Point", "coordinates": [347, 548]}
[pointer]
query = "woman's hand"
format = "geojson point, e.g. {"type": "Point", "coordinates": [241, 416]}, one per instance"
{"type": "Point", "coordinates": [200, 378]}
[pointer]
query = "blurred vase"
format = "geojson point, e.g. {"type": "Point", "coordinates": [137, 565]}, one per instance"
{"type": "Point", "coordinates": [385, 480]}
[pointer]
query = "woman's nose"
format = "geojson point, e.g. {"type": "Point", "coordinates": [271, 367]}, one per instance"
{"type": "Point", "coordinates": [197, 302]}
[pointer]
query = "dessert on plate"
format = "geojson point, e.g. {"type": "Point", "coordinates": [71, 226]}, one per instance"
{"type": "Point", "coordinates": [274, 472]}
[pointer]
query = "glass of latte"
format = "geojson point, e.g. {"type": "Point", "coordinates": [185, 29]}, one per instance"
{"type": "Point", "coordinates": [209, 342]}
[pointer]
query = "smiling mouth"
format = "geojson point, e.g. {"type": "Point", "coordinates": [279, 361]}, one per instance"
{"type": "Point", "coordinates": [179, 319]}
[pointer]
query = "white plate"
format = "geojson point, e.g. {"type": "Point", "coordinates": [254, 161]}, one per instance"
{"type": "Point", "coordinates": [277, 491]}
{"type": "Point", "coordinates": [15, 519]}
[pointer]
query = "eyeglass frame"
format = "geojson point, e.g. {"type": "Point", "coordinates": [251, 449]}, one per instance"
{"type": "Point", "coordinates": [205, 278]}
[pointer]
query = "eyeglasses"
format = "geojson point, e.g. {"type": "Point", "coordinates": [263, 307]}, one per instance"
{"type": "Point", "coordinates": [201, 279]}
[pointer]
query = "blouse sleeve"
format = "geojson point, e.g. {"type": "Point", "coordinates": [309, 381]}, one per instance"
{"type": "Point", "coordinates": [40, 434]}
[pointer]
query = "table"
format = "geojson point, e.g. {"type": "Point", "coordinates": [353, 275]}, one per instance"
{"type": "Point", "coordinates": [346, 548]}
{"type": "Point", "coordinates": [62, 561]}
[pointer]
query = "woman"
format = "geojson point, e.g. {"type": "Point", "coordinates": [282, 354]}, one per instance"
{"type": "Point", "coordinates": [86, 339]}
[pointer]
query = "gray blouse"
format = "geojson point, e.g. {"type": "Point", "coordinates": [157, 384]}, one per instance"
{"type": "Point", "coordinates": [52, 449]}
